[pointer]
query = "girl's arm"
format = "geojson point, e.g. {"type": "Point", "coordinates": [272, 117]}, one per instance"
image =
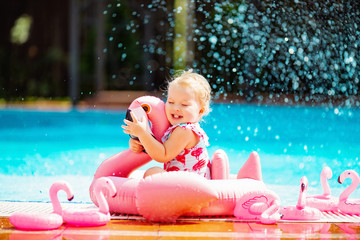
{"type": "Point", "coordinates": [179, 140]}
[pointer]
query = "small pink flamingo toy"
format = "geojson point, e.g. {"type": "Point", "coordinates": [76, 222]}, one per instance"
{"type": "Point", "coordinates": [44, 221]}
{"type": "Point", "coordinates": [93, 217]}
{"type": "Point", "coordinates": [258, 206]}
{"type": "Point", "coordinates": [301, 211]}
{"type": "Point", "coordinates": [324, 202]}
{"type": "Point", "coordinates": [350, 206]}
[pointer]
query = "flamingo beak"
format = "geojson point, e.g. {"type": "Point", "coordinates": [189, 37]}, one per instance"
{"type": "Point", "coordinates": [302, 187]}
{"type": "Point", "coordinates": [128, 115]}
{"type": "Point", "coordinates": [71, 198]}
{"type": "Point", "coordinates": [339, 180]}
{"type": "Point", "coordinates": [129, 118]}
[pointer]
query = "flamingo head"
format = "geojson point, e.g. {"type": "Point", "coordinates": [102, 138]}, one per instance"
{"type": "Point", "coordinates": [348, 174]}
{"type": "Point", "coordinates": [154, 109]}
{"type": "Point", "coordinates": [62, 185]}
{"type": "Point", "coordinates": [106, 183]}
{"type": "Point", "coordinates": [302, 196]}
{"type": "Point", "coordinates": [303, 184]}
{"type": "Point", "coordinates": [326, 172]}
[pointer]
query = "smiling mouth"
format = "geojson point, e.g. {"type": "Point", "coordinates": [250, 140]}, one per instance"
{"type": "Point", "coordinates": [175, 116]}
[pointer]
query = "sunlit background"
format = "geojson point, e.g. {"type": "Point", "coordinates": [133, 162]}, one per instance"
{"type": "Point", "coordinates": [304, 51]}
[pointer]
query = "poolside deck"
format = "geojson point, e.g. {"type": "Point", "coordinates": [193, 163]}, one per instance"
{"type": "Point", "coordinates": [189, 229]}
{"type": "Point", "coordinates": [135, 227]}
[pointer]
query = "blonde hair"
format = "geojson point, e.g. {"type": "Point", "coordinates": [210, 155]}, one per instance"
{"type": "Point", "coordinates": [200, 86]}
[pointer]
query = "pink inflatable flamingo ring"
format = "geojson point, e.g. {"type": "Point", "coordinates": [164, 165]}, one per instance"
{"type": "Point", "coordinates": [44, 221]}
{"type": "Point", "coordinates": [301, 212]}
{"type": "Point", "coordinates": [349, 206]}
{"type": "Point", "coordinates": [166, 196]}
{"type": "Point", "coordinates": [324, 202]}
{"type": "Point", "coordinates": [93, 217]}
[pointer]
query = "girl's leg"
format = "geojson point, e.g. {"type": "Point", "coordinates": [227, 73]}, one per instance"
{"type": "Point", "coordinates": [251, 168]}
{"type": "Point", "coordinates": [153, 170]}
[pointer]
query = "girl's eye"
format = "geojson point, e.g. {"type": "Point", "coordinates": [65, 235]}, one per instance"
{"type": "Point", "coordinates": [184, 105]}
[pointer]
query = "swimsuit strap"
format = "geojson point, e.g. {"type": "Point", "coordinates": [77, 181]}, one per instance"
{"type": "Point", "coordinates": [195, 127]}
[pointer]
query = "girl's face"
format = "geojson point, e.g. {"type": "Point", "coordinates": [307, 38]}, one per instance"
{"type": "Point", "coordinates": [182, 105]}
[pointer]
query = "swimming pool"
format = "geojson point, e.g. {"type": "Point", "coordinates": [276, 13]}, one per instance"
{"type": "Point", "coordinates": [38, 148]}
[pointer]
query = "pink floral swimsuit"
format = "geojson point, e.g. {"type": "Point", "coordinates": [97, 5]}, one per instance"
{"type": "Point", "coordinates": [195, 159]}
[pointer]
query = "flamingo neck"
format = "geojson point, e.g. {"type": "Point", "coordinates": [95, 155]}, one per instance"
{"type": "Point", "coordinates": [55, 202]}
{"type": "Point", "coordinates": [160, 129]}
{"type": "Point", "coordinates": [270, 213]}
{"type": "Point", "coordinates": [301, 200]}
{"type": "Point", "coordinates": [103, 205]}
{"type": "Point", "coordinates": [325, 186]}
{"type": "Point", "coordinates": [346, 193]}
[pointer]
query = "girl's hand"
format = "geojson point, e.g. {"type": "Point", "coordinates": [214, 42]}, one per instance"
{"type": "Point", "coordinates": [135, 146]}
{"type": "Point", "coordinates": [135, 128]}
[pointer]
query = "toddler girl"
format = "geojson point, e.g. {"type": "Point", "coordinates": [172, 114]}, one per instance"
{"type": "Point", "coordinates": [183, 146]}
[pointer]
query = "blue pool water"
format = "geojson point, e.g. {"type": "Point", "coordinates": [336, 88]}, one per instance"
{"type": "Point", "coordinates": [38, 148]}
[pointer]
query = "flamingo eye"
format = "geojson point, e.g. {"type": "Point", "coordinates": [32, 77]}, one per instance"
{"type": "Point", "coordinates": [146, 107]}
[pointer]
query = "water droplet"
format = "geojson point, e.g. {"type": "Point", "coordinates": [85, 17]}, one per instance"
{"type": "Point", "coordinates": [213, 39]}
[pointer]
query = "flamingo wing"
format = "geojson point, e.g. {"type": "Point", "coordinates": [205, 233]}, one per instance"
{"type": "Point", "coordinates": [257, 199]}
{"type": "Point", "coordinates": [252, 205]}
